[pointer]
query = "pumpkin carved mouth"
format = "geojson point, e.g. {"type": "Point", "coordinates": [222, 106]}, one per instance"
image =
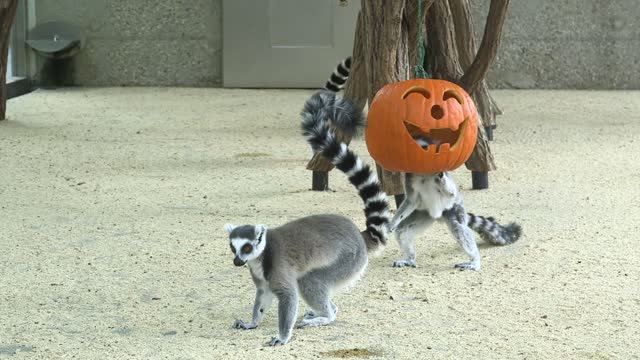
{"type": "Point", "coordinates": [437, 140]}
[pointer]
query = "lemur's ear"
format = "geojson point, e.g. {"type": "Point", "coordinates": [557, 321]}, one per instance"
{"type": "Point", "coordinates": [261, 231]}
{"type": "Point", "coordinates": [229, 227]}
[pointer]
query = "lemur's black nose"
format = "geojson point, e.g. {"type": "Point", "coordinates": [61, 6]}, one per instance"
{"type": "Point", "coordinates": [238, 262]}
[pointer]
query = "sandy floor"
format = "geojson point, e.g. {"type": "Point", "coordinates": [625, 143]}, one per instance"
{"type": "Point", "coordinates": [112, 203]}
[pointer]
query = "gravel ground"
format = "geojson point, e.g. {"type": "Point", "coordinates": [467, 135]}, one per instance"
{"type": "Point", "coordinates": [112, 202]}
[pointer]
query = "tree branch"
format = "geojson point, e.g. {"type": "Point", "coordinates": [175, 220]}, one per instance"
{"type": "Point", "coordinates": [488, 47]}
{"type": "Point", "coordinates": [488, 109]}
{"type": "Point", "coordinates": [463, 24]}
{"type": "Point", "coordinates": [442, 60]}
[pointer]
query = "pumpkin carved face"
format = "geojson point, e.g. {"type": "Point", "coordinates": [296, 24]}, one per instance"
{"type": "Point", "coordinates": [437, 112]}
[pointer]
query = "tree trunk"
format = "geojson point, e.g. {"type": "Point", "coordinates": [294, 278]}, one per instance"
{"type": "Point", "coordinates": [7, 14]}
{"type": "Point", "coordinates": [386, 60]}
{"type": "Point", "coordinates": [356, 90]}
{"type": "Point", "coordinates": [442, 59]}
{"type": "Point", "coordinates": [390, 30]}
{"type": "Point", "coordinates": [386, 50]}
{"type": "Point", "coordinates": [410, 22]}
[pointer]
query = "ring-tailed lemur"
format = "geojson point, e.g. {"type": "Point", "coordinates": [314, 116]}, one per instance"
{"type": "Point", "coordinates": [315, 255]}
{"type": "Point", "coordinates": [431, 197]}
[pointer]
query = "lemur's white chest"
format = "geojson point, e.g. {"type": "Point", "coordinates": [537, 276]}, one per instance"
{"type": "Point", "coordinates": [434, 197]}
{"type": "Point", "coordinates": [255, 266]}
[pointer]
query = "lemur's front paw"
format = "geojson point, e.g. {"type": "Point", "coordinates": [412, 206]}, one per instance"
{"type": "Point", "coordinates": [239, 324]}
{"type": "Point", "coordinates": [275, 341]}
{"type": "Point", "coordinates": [393, 226]}
{"type": "Point", "coordinates": [404, 262]}
{"type": "Point", "coordinates": [468, 266]}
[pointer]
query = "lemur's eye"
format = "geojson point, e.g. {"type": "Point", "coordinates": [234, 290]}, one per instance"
{"type": "Point", "coordinates": [440, 175]}
{"type": "Point", "coordinates": [246, 248]}
{"type": "Point", "coordinates": [233, 249]}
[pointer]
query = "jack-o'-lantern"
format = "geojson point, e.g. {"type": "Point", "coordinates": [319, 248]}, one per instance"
{"type": "Point", "coordinates": [437, 111]}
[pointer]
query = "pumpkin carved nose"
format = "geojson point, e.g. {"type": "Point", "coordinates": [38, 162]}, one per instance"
{"type": "Point", "coordinates": [437, 112]}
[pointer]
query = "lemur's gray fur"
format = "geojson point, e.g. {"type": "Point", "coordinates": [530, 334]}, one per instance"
{"type": "Point", "coordinates": [316, 255]}
{"type": "Point", "coordinates": [431, 197]}
{"type": "Point", "coordinates": [312, 257]}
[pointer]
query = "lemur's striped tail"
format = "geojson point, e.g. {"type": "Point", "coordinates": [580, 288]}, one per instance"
{"type": "Point", "coordinates": [322, 107]}
{"type": "Point", "coordinates": [492, 232]}
{"type": "Point", "coordinates": [339, 77]}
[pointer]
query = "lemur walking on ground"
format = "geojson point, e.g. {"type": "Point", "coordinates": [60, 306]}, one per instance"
{"type": "Point", "coordinates": [314, 256]}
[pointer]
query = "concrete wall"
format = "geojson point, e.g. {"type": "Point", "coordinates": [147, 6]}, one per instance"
{"type": "Point", "coordinates": [577, 44]}
{"type": "Point", "coordinates": [144, 42]}
{"type": "Point", "coordinates": [546, 43]}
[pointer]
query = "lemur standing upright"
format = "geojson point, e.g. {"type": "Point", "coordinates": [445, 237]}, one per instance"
{"type": "Point", "coordinates": [316, 255]}
{"type": "Point", "coordinates": [431, 197]}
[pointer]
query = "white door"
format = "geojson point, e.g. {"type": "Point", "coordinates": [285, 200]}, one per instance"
{"type": "Point", "coordinates": [285, 43]}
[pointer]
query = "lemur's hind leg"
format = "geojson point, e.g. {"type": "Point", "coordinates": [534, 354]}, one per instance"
{"type": "Point", "coordinates": [310, 314]}
{"type": "Point", "coordinates": [456, 219]}
{"type": "Point", "coordinates": [413, 225]}
{"type": "Point", "coordinates": [316, 292]}
{"type": "Point", "coordinates": [317, 286]}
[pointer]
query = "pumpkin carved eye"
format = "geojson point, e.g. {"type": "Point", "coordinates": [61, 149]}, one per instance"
{"type": "Point", "coordinates": [246, 248]}
{"type": "Point", "coordinates": [417, 90]}
{"type": "Point", "coordinates": [452, 94]}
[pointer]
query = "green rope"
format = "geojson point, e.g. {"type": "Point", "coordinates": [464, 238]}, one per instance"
{"type": "Point", "coordinates": [419, 69]}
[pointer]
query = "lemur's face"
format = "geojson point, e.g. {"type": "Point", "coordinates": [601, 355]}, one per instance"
{"type": "Point", "coordinates": [441, 178]}
{"type": "Point", "coordinates": [246, 241]}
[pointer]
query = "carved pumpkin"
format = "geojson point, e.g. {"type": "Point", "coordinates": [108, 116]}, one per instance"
{"type": "Point", "coordinates": [438, 111]}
